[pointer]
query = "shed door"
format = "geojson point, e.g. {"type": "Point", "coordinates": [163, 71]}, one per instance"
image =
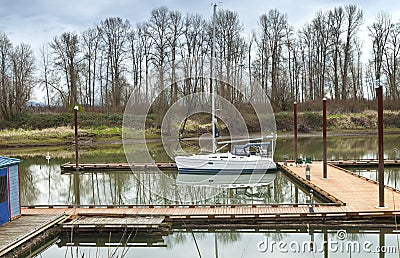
{"type": "Point", "coordinates": [4, 212]}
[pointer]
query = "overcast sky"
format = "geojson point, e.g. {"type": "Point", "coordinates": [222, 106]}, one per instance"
{"type": "Point", "coordinates": [37, 21]}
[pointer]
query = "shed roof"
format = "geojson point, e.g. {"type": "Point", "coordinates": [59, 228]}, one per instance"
{"type": "Point", "coordinates": [5, 162]}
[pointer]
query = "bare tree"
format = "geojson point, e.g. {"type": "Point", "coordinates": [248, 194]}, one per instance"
{"type": "Point", "coordinates": [354, 18]}
{"type": "Point", "coordinates": [273, 27]}
{"type": "Point", "coordinates": [90, 41]}
{"type": "Point", "coordinates": [5, 52]}
{"type": "Point", "coordinates": [195, 49]}
{"type": "Point", "coordinates": [230, 48]}
{"type": "Point", "coordinates": [144, 44]}
{"type": "Point", "coordinates": [175, 27]}
{"type": "Point", "coordinates": [336, 18]}
{"type": "Point", "coordinates": [158, 32]}
{"type": "Point", "coordinates": [392, 59]}
{"type": "Point", "coordinates": [379, 33]}
{"type": "Point", "coordinates": [321, 34]}
{"type": "Point", "coordinates": [115, 32]}
{"type": "Point", "coordinates": [45, 58]}
{"type": "Point", "coordinates": [66, 50]}
{"type": "Point", "coordinates": [23, 67]}
{"type": "Point", "coordinates": [17, 66]}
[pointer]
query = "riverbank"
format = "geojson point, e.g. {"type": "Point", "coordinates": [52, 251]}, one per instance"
{"type": "Point", "coordinates": [64, 136]}
{"type": "Point", "coordinates": [33, 130]}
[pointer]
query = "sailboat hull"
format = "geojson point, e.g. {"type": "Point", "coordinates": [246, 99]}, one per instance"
{"type": "Point", "coordinates": [224, 163]}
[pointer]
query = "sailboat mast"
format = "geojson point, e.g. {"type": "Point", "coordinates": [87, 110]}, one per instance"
{"type": "Point", "coordinates": [214, 144]}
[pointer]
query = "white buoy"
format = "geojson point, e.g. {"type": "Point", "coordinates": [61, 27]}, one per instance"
{"type": "Point", "coordinates": [48, 157]}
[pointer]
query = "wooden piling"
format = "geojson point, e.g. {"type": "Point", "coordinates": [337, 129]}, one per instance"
{"type": "Point", "coordinates": [325, 169]}
{"type": "Point", "coordinates": [76, 108]}
{"type": "Point", "coordinates": [379, 96]}
{"type": "Point", "coordinates": [295, 129]}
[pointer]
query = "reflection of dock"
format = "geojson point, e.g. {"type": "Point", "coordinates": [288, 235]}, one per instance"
{"type": "Point", "coordinates": [100, 223]}
{"type": "Point", "coordinates": [103, 239]}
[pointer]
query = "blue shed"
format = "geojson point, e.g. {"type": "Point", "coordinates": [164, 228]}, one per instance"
{"type": "Point", "coordinates": [10, 205]}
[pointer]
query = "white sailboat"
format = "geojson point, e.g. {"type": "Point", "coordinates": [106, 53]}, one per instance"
{"type": "Point", "coordinates": [255, 156]}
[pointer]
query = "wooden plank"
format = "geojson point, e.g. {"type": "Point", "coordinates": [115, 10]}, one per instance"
{"type": "Point", "coordinates": [344, 186]}
{"type": "Point", "coordinates": [118, 166]}
{"type": "Point", "coordinates": [17, 232]}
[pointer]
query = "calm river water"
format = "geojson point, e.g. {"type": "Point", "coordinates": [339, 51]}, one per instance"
{"type": "Point", "coordinates": [43, 183]}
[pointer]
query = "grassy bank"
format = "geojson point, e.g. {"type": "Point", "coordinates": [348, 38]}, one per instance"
{"type": "Point", "coordinates": [57, 129]}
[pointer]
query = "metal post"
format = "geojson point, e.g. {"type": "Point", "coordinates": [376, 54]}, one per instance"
{"type": "Point", "coordinates": [285, 158]}
{"type": "Point", "coordinates": [379, 96]}
{"type": "Point", "coordinates": [325, 168]}
{"type": "Point", "coordinates": [295, 130]}
{"type": "Point", "coordinates": [311, 206]}
{"type": "Point", "coordinates": [76, 108]}
{"type": "Point", "coordinates": [308, 172]}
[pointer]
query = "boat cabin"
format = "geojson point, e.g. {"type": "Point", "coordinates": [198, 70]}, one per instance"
{"type": "Point", "coordinates": [259, 148]}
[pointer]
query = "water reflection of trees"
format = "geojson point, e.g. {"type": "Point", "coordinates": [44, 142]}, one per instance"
{"type": "Point", "coordinates": [346, 147]}
{"type": "Point", "coordinates": [28, 186]}
{"type": "Point", "coordinates": [392, 175]}
{"type": "Point", "coordinates": [45, 184]}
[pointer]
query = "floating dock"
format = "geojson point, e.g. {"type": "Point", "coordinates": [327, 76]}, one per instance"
{"type": "Point", "coordinates": [351, 196]}
{"type": "Point", "coordinates": [364, 163]}
{"type": "Point", "coordinates": [118, 166]}
{"type": "Point", "coordinates": [172, 166]}
{"type": "Point", "coordinates": [354, 201]}
{"type": "Point", "coordinates": [22, 230]}
{"type": "Point", "coordinates": [344, 187]}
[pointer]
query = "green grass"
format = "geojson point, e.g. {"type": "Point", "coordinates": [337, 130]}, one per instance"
{"type": "Point", "coordinates": [57, 129]}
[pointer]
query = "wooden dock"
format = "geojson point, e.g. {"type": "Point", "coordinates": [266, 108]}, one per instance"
{"type": "Point", "coordinates": [352, 197]}
{"type": "Point", "coordinates": [123, 166]}
{"type": "Point", "coordinates": [354, 201]}
{"type": "Point", "coordinates": [119, 166]}
{"type": "Point", "coordinates": [342, 186]}
{"type": "Point", "coordinates": [17, 232]}
{"type": "Point", "coordinates": [364, 163]}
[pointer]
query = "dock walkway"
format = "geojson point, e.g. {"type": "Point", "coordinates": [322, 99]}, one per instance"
{"type": "Point", "coordinates": [21, 230]}
{"type": "Point", "coordinates": [342, 186]}
{"type": "Point", "coordinates": [354, 200]}
{"type": "Point", "coordinates": [352, 196]}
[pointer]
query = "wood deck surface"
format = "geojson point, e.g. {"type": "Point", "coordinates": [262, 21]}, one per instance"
{"type": "Point", "coordinates": [16, 232]}
{"type": "Point", "coordinates": [356, 192]}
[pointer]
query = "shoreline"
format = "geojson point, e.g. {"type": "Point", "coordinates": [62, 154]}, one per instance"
{"type": "Point", "coordinates": [62, 140]}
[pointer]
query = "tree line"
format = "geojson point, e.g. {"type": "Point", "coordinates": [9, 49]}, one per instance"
{"type": "Point", "coordinates": [105, 64]}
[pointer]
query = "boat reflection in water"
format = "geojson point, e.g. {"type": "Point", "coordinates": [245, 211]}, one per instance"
{"type": "Point", "coordinates": [249, 184]}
